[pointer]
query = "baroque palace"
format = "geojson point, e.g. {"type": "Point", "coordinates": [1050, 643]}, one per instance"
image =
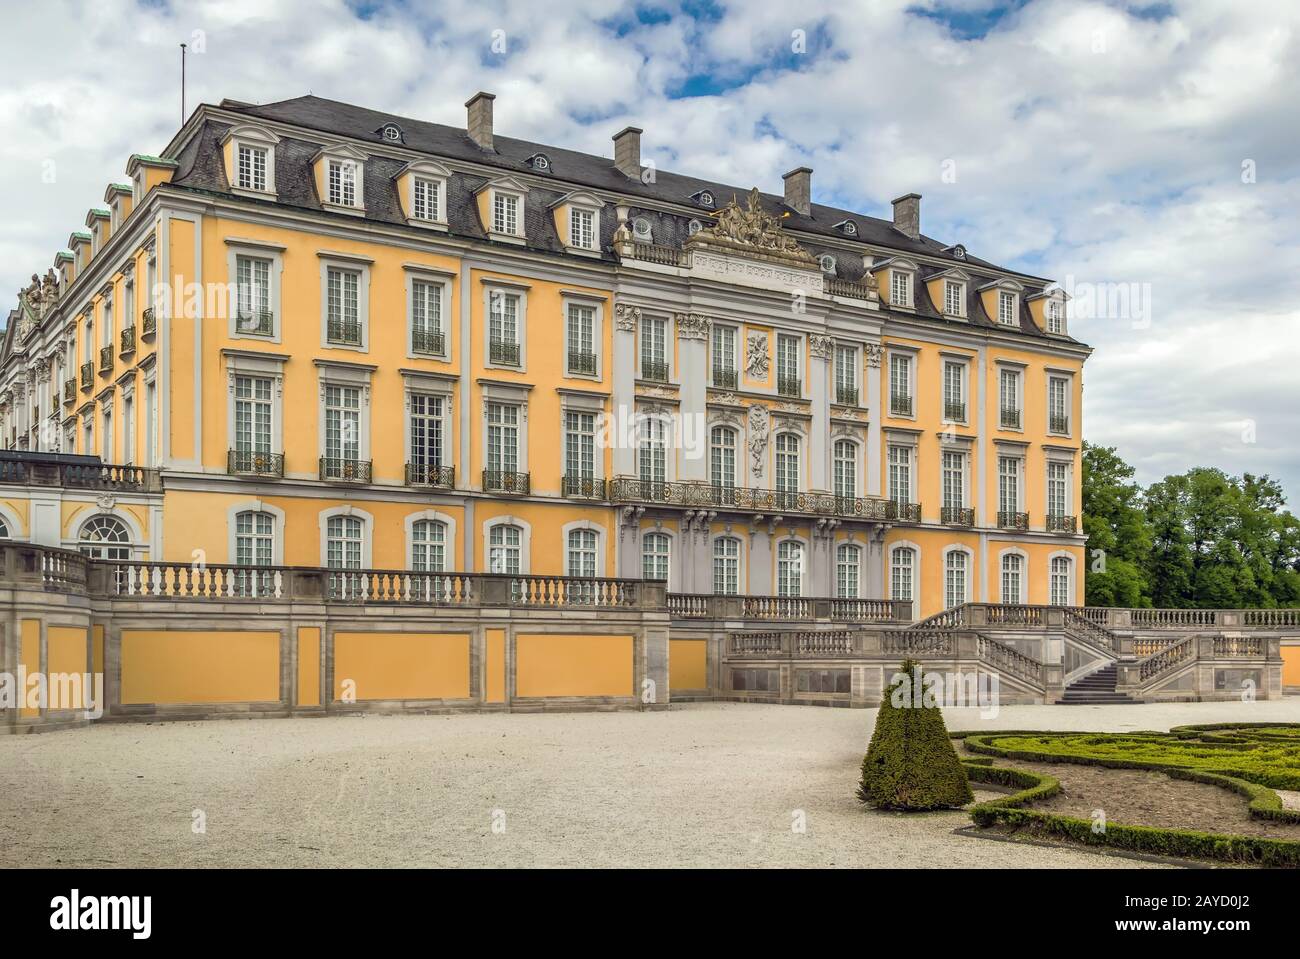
{"type": "Point", "coordinates": [315, 351]}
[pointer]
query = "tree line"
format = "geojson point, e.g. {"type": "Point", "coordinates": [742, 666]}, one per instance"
{"type": "Point", "coordinates": [1201, 539]}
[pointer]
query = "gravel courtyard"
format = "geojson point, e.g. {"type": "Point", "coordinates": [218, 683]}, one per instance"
{"type": "Point", "coordinates": [699, 785]}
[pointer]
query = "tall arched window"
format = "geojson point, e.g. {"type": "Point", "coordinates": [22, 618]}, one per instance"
{"type": "Point", "coordinates": [429, 546]}
{"type": "Point", "coordinates": [902, 574]}
{"type": "Point", "coordinates": [787, 469]}
{"type": "Point", "coordinates": [504, 549]}
{"type": "Point", "coordinates": [848, 567]}
{"type": "Point", "coordinates": [581, 557]}
{"type": "Point", "coordinates": [655, 553]}
{"type": "Point", "coordinates": [846, 468]}
{"type": "Point", "coordinates": [104, 537]}
{"type": "Point", "coordinates": [1061, 593]}
{"type": "Point", "coordinates": [652, 455]}
{"type": "Point", "coordinates": [726, 566]}
{"type": "Point", "coordinates": [789, 568]}
{"type": "Point", "coordinates": [254, 546]}
{"type": "Point", "coordinates": [4, 530]}
{"type": "Point", "coordinates": [722, 457]}
{"type": "Point", "coordinates": [1012, 580]}
{"type": "Point", "coordinates": [344, 548]}
{"type": "Point", "coordinates": [955, 571]}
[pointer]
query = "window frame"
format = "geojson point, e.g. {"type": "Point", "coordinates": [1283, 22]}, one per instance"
{"type": "Point", "coordinates": [430, 276]}
{"type": "Point", "coordinates": [360, 266]}
{"type": "Point", "coordinates": [273, 253]}
{"type": "Point", "coordinates": [568, 302]}
{"type": "Point", "coordinates": [520, 292]}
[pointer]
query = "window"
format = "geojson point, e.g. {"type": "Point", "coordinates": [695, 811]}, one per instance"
{"type": "Point", "coordinates": [342, 426]}
{"type": "Point", "coordinates": [582, 229]}
{"type": "Point", "coordinates": [789, 568]}
{"type": "Point", "coordinates": [391, 132]}
{"type": "Point", "coordinates": [580, 559]}
{"type": "Point", "coordinates": [428, 546]}
{"type": "Point", "coordinates": [503, 328]}
{"type": "Point", "coordinates": [900, 385]}
{"type": "Point", "coordinates": [952, 298]}
{"type": "Point", "coordinates": [426, 318]}
{"type": "Point", "coordinates": [900, 474]}
{"type": "Point", "coordinates": [845, 460]}
{"type": "Point", "coordinates": [1008, 486]}
{"type": "Point", "coordinates": [726, 566]}
{"type": "Point", "coordinates": [652, 453]}
{"type": "Point", "coordinates": [722, 457]}
{"type": "Point", "coordinates": [503, 438]}
{"type": "Point", "coordinates": [724, 356]}
{"type": "Point", "coordinates": [505, 214]}
{"type": "Point", "coordinates": [344, 539]}
{"type": "Point", "coordinates": [107, 438]}
{"type": "Point", "coordinates": [1055, 317]}
{"type": "Point", "coordinates": [104, 537]}
{"type": "Point", "coordinates": [1060, 592]}
{"type": "Point", "coordinates": [954, 480]}
{"type": "Point", "coordinates": [955, 564]}
{"type": "Point", "coordinates": [343, 318]}
{"type": "Point", "coordinates": [128, 304]}
{"type": "Point", "coordinates": [655, 549]}
{"type": "Point", "coordinates": [787, 366]}
{"type": "Point", "coordinates": [902, 570]}
{"type": "Point", "coordinates": [253, 295]}
{"type": "Point", "coordinates": [787, 466]}
{"type": "Point", "coordinates": [581, 339]}
{"type": "Point", "coordinates": [426, 195]}
{"type": "Point", "coordinates": [1012, 564]}
{"type": "Point", "coordinates": [1058, 416]}
{"type": "Point", "coordinates": [1058, 489]}
{"type": "Point", "coordinates": [4, 530]}
{"type": "Point", "coordinates": [342, 183]}
{"type": "Point", "coordinates": [848, 564]}
{"type": "Point", "coordinates": [252, 167]}
{"type": "Point", "coordinates": [1006, 308]}
{"type": "Point", "coordinates": [1009, 391]}
{"type": "Point", "coordinates": [846, 375]}
{"type": "Point", "coordinates": [426, 435]}
{"type": "Point", "coordinates": [900, 288]}
{"type": "Point", "coordinates": [504, 549]}
{"type": "Point", "coordinates": [253, 411]}
{"type": "Point", "coordinates": [654, 352]}
{"type": "Point", "coordinates": [254, 546]}
{"type": "Point", "coordinates": [150, 418]}
{"type": "Point", "coordinates": [128, 430]}
{"type": "Point", "coordinates": [954, 392]}
{"type": "Point", "coordinates": [580, 451]}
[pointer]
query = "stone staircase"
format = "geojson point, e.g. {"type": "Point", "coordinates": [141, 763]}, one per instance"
{"type": "Point", "coordinates": [1095, 689]}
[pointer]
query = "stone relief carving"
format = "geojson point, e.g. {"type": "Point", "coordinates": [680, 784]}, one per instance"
{"type": "Point", "coordinates": [754, 227]}
{"type": "Point", "coordinates": [626, 317]}
{"type": "Point", "coordinates": [692, 326]}
{"type": "Point", "coordinates": [820, 346]}
{"type": "Point", "coordinates": [758, 430]}
{"type": "Point", "coordinates": [756, 355]}
{"type": "Point", "coordinates": [873, 355]}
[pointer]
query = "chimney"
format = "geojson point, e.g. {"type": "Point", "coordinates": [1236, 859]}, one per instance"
{"type": "Point", "coordinates": [907, 215]}
{"type": "Point", "coordinates": [627, 152]}
{"type": "Point", "coordinates": [798, 190]}
{"type": "Point", "coordinates": [479, 124]}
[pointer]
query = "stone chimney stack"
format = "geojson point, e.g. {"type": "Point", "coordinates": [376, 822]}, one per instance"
{"type": "Point", "coordinates": [627, 152]}
{"type": "Point", "coordinates": [479, 123]}
{"type": "Point", "coordinates": [798, 190]}
{"type": "Point", "coordinates": [907, 215]}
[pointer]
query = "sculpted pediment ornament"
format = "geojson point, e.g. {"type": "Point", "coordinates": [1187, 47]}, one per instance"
{"type": "Point", "coordinates": [756, 355]}
{"type": "Point", "coordinates": [751, 228]}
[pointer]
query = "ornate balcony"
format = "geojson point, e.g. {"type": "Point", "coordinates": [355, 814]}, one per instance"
{"type": "Point", "coordinates": [1012, 520]}
{"type": "Point", "coordinates": [725, 379]}
{"type": "Point", "coordinates": [428, 474]}
{"type": "Point", "coordinates": [69, 392]}
{"type": "Point", "coordinates": [630, 489]}
{"type": "Point", "coordinates": [343, 332]}
{"type": "Point", "coordinates": [503, 352]}
{"type": "Point", "coordinates": [904, 512]}
{"type": "Point", "coordinates": [1058, 424]}
{"type": "Point", "coordinates": [148, 323]}
{"type": "Point", "coordinates": [789, 386]}
{"type": "Point", "coordinates": [900, 404]}
{"type": "Point", "coordinates": [1060, 523]}
{"type": "Point", "coordinates": [127, 346]}
{"type": "Point", "coordinates": [261, 323]}
{"type": "Point", "coordinates": [337, 469]}
{"type": "Point", "coordinates": [1010, 419]}
{"type": "Point", "coordinates": [582, 363]}
{"type": "Point", "coordinates": [582, 487]}
{"type": "Point", "coordinates": [428, 342]}
{"type": "Point", "coordinates": [654, 370]}
{"type": "Point", "coordinates": [954, 411]}
{"type": "Point", "coordinates": [846, 395]}
{"type": "Point", "coordinates": [105, 359]}
{"type": "Point", "coordinates": [504, 481]}
{"type": "Point", "coordinates": [957, 516]}
{"type": "Point", "coordinates": [87, 377]}
{"type": "Point", "coordinates": [254, 463]}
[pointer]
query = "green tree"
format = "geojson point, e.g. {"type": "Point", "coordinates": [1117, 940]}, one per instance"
{"type": "Point", "coordinates": [1119, 538]}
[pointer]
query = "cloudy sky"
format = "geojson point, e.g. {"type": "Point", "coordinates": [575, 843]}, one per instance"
{"type": "Point", "coordinates": [1147, 156]}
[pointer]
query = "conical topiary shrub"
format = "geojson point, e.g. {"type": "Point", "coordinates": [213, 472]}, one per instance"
{"type": "Point", "coordinates": [911, 764]}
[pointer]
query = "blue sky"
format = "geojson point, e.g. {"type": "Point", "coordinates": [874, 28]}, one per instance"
{"type": "Point", "coordinates": [1103, 144]}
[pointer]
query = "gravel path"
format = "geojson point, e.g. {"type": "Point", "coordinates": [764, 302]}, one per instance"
{"type": "Point", "coordinates": [712, 784]}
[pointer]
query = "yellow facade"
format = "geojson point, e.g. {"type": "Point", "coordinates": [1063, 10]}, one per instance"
{"type": "Point", "coordinates": [181, 666]}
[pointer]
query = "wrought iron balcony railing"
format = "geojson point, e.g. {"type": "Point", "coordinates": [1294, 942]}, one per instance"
{"type": "Point", "coordinates": [148, 322]}
{"type": "Point", "coordinates": [430, 474]}
{"type": "Point", "coordinates": [631, 489]}
{"type": "Point", "coordinates": [582, 487]}
{"type": "Point", "coordinates": [1010, 419]}
{"type": "Point", "coordinates": [254, 463]}
{"type": "Point", "coordinates": [87, 376]}
{"type": "Point", "coordinates": [900, 404]}
{"type": "Point", "coordinates": [955, 411]}
{"type": "Point", "coordinates": [582, 363]}
{"type": "Point", "coordinates": [343, 332]}
{"type": "Point", "coordinates": [127, 346]}
{"type": "Point", "coordinates": [105, 359]}
{"type": "Point", "coordinates": [340, 469]}
{"type": "Point", "coordinates": [69, 392]}
{"type": "Point", "coordinates": [724, 378]}
{"type": "Point", "coordinates": [957, 515]}
{"type": "Point", "coordinates": [1058, 424]}
{"type": "Point", "coordinates": [1012, 520]}
{"type": "Point", "coordinates": [504, 481]}
{"type": "Point", "coordinates": [906, 512]}
{"type": "Point", "coordinates": [262, 323]}
{"type": "Point", "coordinates": [846, 395]}
{"type": "Point", "coordinates": [1060, 523]}
{"type": "Point", "coordinates": [428, 342]}
{"type": "Point", "coordinates": [789, 386]}
{"type": "Point", "coordinates": [656, 370]}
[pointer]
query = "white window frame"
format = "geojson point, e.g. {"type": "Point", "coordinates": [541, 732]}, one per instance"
{"type": "Point", "coordinates": [431, 275]}
{"type": "Point", "coordinates": [449, 526]}
{"type": "Point", "coordinates": [910, 448]}
{"type": "Point", "coordinates": [598, 534]}
{"type": "Point", "coordinates": [648, 321]}
{"type": "Point", "coordinates": [1070, 588]}
{"type": "Point", "coordinates": [345, 375]}
{"type": "Point", "coordinates": [245, 135]}
{"type": "Point", "coordinates": [586, 203]}
{"type": "Point", "coordinates": [969, 574]}
{"type": "Point", "coordinates": [856, 475]}
{"type": "Point", "coordinates": [506, 187]}
{"type": "Point", "coordinates": [1054, 376]}
{"type": "Point", "coordinates": [430, 172]}
{"type": "Point", "coordinates": [907, 276]}
{"type": "Point", "coordinates": [525, 542]}
{"type": "Point", "coordinates": [803, 566]}
{"type": "Point", "coordinates": [847, 371]}
{"type": "Point", "coordinates": [962, 366]}
{"type": "Point", "coordinates": [361, 266]}
{"type": "Point", "coordinates": [260, 250]}
{"type": "Point", "coordinates": [740, 589]}
{"type": "Point", "coordinates": [1017, 462]}
{"type": "Point", "coordinates": [1067, 465]}
{"type": "Point", "coordinates": [797, 354]}
{"type": "Point", "coordinates": [597, 307]}
{"type": "Point", "coordinates": [506, 395]}
{"type": "Point", "coordinates": [719, 333]}
{"type": "Point", "coordinates": [1022, 573]}
{"type": "Point", "coordinates": [916, 573]}
{"type": "Point", "coordinates": [1017, 375]}
{"type": "Point", "coordinates": [858, 565]}
{"type": "Point", "coordinates": [262, 366]}
{"type": "Point", "coordinates": [255, 506]}
{"type": "Point", "coordinates": [367, 532]}
{"type": "Point", "coordinates": [948, 285]}
{"type": "Point", "coordinates": [520, 291]}
{"type": "Point", "coordinates": [646, 534]}
{"type": "Point", "coordinates": [908, 359]}
{"type": "Point", "coordinates": [1011, 317]}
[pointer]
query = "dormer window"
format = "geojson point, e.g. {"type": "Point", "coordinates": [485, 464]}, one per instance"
{"type": "Point", "coordinates": [501, 209]}
{"type": "Point", "coordinates": [505, 214]}
{"type": "Point", "coordinates": [641, 230]}
{"type": "Point", "coordinates": [540, 162]}
{"type": "Point", "coordinates": [340, 179]}
{"type": "Point", "coordinates": [392, 133]}
{"type": "Point", "coordinates": [422, 189]}
{"type": "Point", "coordinates": [252, 167]}
{"type": "Point", "coordinates": [1007, 308]}
{"type": "Point", "coordinates": [954, 298]}
{"type": "Point", "coordinates": [1055, 316]}
{"type": "Point", "coordinates": [900, 288]}
{"type": "Point", "coordinates": [250, 160]}
{"type": "Point", "coordinates": [958, 251]}
{"type": "Point", "coordinates": [827, 263]}
{"type": "Point", "coordinates": [342, 183]}
{"type": "Point", "coordinates": [582, 229]}
{"type": "Point", "coordinates": [704, 198]}
{"type": "Point", "coordinates": [426, 197]}
{"type": "Point", "coordinates": [577, 222]}
{"type": "Point", "coordinates": [847, 227]}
